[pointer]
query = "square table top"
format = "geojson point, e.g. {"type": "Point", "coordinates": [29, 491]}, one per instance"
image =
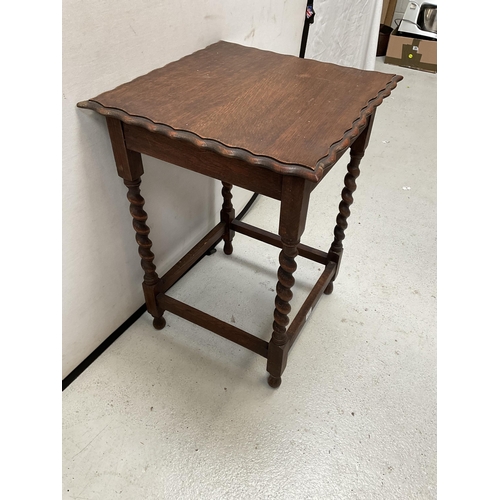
{"type": "Point", "coordinates": [277, 111]}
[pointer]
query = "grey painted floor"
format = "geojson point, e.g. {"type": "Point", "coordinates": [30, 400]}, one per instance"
{"type": "Point", "coordinates": [185, 414]}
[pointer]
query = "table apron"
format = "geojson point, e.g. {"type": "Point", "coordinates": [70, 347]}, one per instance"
{"type": "Point", "coordinates": [178, 152]}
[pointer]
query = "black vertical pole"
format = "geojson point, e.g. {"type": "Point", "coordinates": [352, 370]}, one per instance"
{"type": "Point", "coordinates": [309, 19]}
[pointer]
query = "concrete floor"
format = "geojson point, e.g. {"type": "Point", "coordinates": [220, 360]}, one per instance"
{"type": "Point", "coordinates": [185, 414]}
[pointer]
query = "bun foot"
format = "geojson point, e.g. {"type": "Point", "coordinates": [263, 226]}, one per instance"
{"type": "Point", "coordinates": [274, 382]}
{"type": "Point", "coordinates": [159, 323]}
{"type": "Point", "coordinates": [329, 288]}
{"type": "Point", "coordinates": [228, 248]}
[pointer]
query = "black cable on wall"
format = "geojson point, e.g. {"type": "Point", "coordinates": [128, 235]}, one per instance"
{"type": "Point", "coordinates": [309, 19]}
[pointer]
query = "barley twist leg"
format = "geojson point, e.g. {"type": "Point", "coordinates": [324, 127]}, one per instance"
{"type": "Point", "coordinates": [282, 309]}
{"type": "Point", "coordinates": [337, 248]}
{"type": "Point", "coordinates": [142, 230]}
{"type": "Point", "coordinates": [227, 215]}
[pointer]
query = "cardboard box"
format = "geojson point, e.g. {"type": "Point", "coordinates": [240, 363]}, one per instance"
{"type": "Point", "coordinates": [412, 52]}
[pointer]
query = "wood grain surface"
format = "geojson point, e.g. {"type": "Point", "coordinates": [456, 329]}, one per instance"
{"type": "Point", "coordinates": [253, 103]}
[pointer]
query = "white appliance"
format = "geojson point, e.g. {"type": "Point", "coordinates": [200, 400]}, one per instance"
{"type": "Point", "coordinates": [420, 19]}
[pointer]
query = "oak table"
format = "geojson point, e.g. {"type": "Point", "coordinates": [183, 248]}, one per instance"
{"type": "Point", "coordinates": [273, 124]}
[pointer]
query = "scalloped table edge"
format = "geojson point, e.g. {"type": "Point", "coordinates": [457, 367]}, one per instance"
{"type": "Point", "coordinates": [313, 174]}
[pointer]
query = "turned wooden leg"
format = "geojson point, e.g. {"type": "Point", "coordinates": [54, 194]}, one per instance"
{"type": "Point", "coordinates": [337, 248]}
{"type": "Point", "coordinates": [347, 200]}
{"type": "Point", "coordinates": [357, 152]}
{"type": "Point", "coordinates": [227, 215]}
{"type": "Point", "coordinates": [294, 203]}
{"type": "Point", "coordinates": [142, 230]}
{"type": "Point", "coordinates": [282, 309]}
{"type": "Point", "coordinates": [130, 169]}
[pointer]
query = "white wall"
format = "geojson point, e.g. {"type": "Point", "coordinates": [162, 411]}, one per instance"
{"type": "Point", "coordinates": [345, 32]}
{"type": "Point", "coordinates": [106, 43]}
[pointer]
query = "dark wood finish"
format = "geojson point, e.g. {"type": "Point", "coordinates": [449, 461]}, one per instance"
{"type": "Point", "coordinates": [142, 230]}
{"type": "Point", "coordinates": [272, 239]}
{"type": "Point", "coordinates": [215, 325]}
{"type": "Point", "coordinates": [130, 169]}
{"type": "Point", "coordinates": [128, 163]}
{"type": "Point", "coordinates": [227, 216]}
{"type": "Point", "coordinates": [294, 204]}
{"type": "Point", "coordinates": [270, 123]}
{"type": "Point", "coordinates": [203, 161]}
{"type": "Point", "coordinates": [357, 153]}
{"type": "Point", "coordinates": [288, 109]}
